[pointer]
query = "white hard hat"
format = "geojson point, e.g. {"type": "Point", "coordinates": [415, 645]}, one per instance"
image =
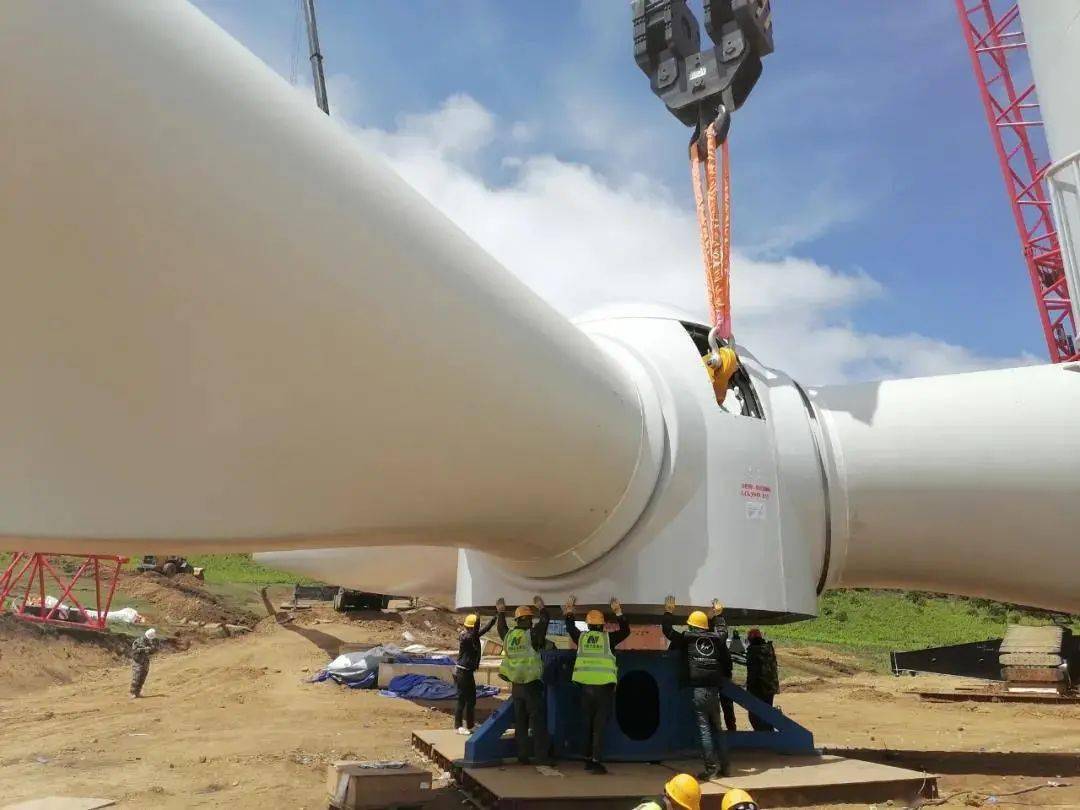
{"type": "Point", "coordinates": [150, 633]}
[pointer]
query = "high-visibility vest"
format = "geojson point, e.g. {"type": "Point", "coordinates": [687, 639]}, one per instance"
{"type": "Point", "coordinates": [595, 663]}
{"type": "Point", "coordinates": [650, 805]}
{"type": "Point", "coordinates": [521, 663]}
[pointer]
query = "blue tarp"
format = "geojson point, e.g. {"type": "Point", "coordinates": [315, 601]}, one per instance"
{"type": "Point", "coordinates": [360, 670]}
{"type": "Point", "coordinates": [428, 687]}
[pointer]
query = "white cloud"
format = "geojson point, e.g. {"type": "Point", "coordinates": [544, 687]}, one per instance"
{"type": "Point", "coordinates": [583, 240]}
{"type": "Point", "coordinates": [460, 126]}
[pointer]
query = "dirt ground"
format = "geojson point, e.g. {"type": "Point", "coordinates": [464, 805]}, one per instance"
{"type": "Point", "coordinates": [234, 723]}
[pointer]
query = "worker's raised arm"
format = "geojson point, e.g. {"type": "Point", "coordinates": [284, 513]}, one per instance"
{"type": "Point", "coordinates": [717, 622]}
{"type": "Point", "coordinates": [570, 618]}
{"type": "Point", "coordinates": [623, 632]}
{"type": "Point", "coordinates": [539, 630]}
{"type": "Point", "coordinates": [500, 611]}
{"type": "Point", "coordinates": [667, 624]}
{"type": "Point", "coordinates": [487, 627]}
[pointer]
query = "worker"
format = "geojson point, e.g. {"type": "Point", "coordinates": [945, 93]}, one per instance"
{"type": "Point", "coordinates": [468, 661]}
{"type": "Point", "coordinates": [681, 792]}
{"type": "Point", "coordinates": [523, 668]}
{"type": "Point", "coordinates": [762, 674]}
{"type": "Point", "coordinates": [141, 649]}
{"type": "Point", "coordinates": [738, 799]}
{"type": "Point", "coordinates": [719, 626]}
{"type": "Point", "coordinates": [707, 664]}
{"type": "Point", "coordinates": [596, 670]}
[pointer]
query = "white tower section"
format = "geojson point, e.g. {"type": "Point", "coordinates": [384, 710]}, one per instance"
{"type": "Point", "coordinates": [1052, 31]}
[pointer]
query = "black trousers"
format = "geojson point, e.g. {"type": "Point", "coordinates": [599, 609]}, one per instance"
{"type": "Point", "coordinates": [728, 705]}
{"type": "Point", "coordinates": [465, 713]}
{"type": "Point", "coordinates": [530, 712]}
{"type": "Point", "coordinates": [756, 722]}
{"type": "Point", "coordinates": [713, 738]}
{"type": "Point", "coordinates": [596, 703]}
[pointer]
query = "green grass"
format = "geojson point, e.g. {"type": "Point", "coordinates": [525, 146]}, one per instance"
{"type": "Point", "coordinates": [241, 568]}
{"type": "Point", "coordinates": [905, 620]}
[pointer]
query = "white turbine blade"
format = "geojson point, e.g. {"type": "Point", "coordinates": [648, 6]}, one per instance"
{"type": "Point", "coordinates": [226, 326]}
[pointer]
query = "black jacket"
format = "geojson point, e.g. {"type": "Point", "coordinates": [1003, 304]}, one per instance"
{"type": "Point", "coordinates": [615, 637]}
{"type": "Point", "coordinates": [468, 657]}
{"type": "Point", "coordinates": [678, 641]}
{"type": "Point", "coordinates": [762, 677]}
{"type": "Point", "coordinates": [538, 633]}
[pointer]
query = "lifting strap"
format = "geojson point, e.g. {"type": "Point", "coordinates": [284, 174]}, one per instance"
{"type": "Point", "coordinates": [713, 202]}
{"type": "Point", "coordinates": [712, 198]}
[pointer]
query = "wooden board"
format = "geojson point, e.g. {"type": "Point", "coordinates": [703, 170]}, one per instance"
{"type": "Point", "coordinates": [998, 697]}
{"type": "Point", "coordinates": [773, 779]}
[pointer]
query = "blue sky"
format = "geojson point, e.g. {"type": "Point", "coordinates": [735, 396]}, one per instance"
{"type": "Point", "coordinates": [870, 219]}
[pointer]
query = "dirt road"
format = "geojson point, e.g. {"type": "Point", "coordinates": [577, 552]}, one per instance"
{"type": "Point", "coordinates": [234, 724]}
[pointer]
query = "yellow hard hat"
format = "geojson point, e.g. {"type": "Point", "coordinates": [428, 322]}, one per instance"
{"type": "Point", "coordinates": [524, 612]}
{"type": "Point", "coordinates": [738, 800]}
{"type": "Point", "coordinates": [699, 620]}
{"type": "Point", "coordinates": [684, 790]}
{"type": "Point", "coordinates": [470, 620]}
{"type": "Point", "coordinates": [594, 617]}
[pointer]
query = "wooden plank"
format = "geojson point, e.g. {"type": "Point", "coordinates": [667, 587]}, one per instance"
{"type": "Point", "coordinates": [774, 779]}
{"type": "Point", "coordinates": [998, 697]}
{"type": "Point", "coordinates": [1034, 674]}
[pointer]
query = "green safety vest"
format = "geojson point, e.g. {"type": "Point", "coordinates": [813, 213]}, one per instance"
{"type": "Point", "coordinates": [521, 663]}
{"type": "Point", "coordinates": [595, 663]}
{"type": "Point", "coordinates": [650, 805]}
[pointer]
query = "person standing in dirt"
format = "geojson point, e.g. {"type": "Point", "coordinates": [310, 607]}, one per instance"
{"type": "Point", "coordinates": [762, 674]}
{"type": "Point", "coordinates": [468, 661]}
{"type": "Point", "coordinates": [141, 650]}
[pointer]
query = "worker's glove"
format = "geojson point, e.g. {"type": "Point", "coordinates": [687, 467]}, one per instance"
{"type": "Point", "coordinates": [538, 602]}
{"type": "Point", "coordinates": [616, 606]}
{"type": "Point", "coordinates": [717, 608]}
{"type": "Point", "coordinates": [571, 603]}
{"type": "Point", "coordinates": [669, 604]}
{"type": "Point", "coordinates": [500, 605]}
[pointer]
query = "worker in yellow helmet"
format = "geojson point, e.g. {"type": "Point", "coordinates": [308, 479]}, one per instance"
{"type": "Point", "coordinates": [523, 668]}
{"type": "Point", "coordinates": [738, 799]}
{"type": "Point", "coordinates": [681, 792]}
{"type": "Point", "coordinates": [468, 661]}
{"type": "Point", "coordinates": [596, 670]}
{"type": "Point", "coordinates": [707, 665]}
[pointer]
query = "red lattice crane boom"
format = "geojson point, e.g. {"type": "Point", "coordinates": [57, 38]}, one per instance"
{"type": "Point", "coordinates": [998, 52]}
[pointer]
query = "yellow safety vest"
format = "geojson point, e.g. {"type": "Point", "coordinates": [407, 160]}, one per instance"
{"type": "Point", "coordinates": [595, 663]}
{"type": "Point", "coordinates": [521, 663]}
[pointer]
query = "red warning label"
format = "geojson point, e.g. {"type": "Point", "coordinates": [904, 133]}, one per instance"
{"type": "Point", "coordinates": [760, 492]}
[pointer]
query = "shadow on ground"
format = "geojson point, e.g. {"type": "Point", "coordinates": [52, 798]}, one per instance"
{"type": "Point", "coordinates": [331, 645]}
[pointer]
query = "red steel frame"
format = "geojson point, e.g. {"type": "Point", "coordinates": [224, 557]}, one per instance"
{"type": "Point", "coordinates": [33, 568]}
{"type": "Point", "coordinates": [998, 54]}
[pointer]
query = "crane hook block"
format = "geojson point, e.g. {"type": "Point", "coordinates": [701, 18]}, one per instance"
{"type": "Point", "coordinates": [695, 83]}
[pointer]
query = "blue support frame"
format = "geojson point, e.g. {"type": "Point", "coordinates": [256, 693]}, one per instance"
{"type": "Point", "coordinates": [650, 691]}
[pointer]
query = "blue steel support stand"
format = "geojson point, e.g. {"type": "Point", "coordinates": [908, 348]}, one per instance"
{"type": "Point", "coordinates": [652, 719]}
